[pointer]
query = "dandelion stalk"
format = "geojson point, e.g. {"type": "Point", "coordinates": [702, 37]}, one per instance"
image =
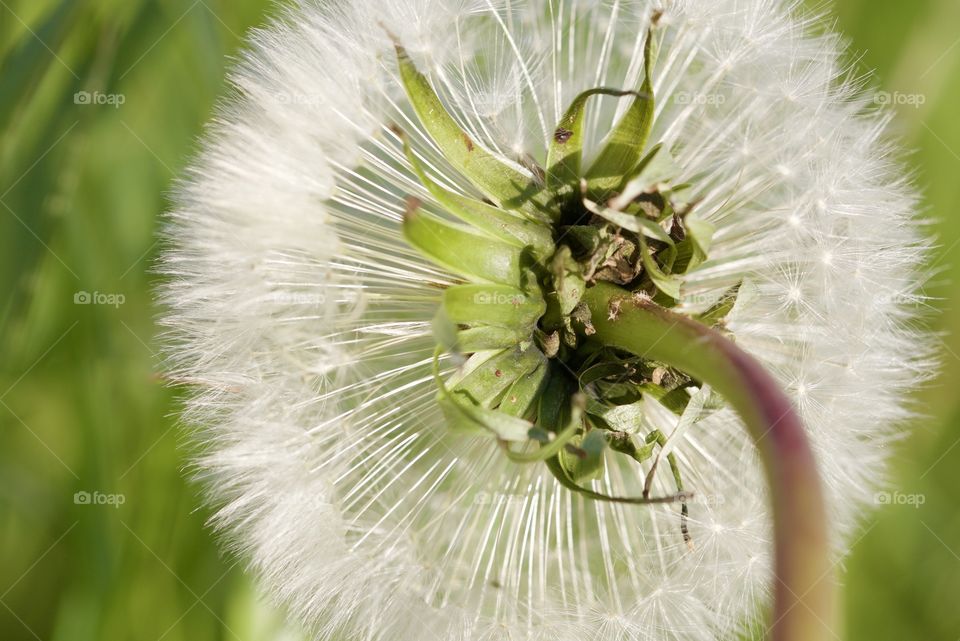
{"type": "Point", "coordinates": [803, 576]}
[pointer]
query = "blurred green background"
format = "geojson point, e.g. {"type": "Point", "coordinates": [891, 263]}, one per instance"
{"type": "Point", "coordinates": [81, 410]}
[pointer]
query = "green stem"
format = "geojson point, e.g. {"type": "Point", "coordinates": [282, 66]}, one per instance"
{"type": "Point", "coordinates": [803, 590]}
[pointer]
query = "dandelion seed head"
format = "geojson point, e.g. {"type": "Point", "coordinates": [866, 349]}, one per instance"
{"type": "Point", "coordinates": [302, 319]}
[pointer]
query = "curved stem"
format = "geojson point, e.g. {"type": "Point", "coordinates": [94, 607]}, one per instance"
{"type": "Point", "coordinates": [803, 590]}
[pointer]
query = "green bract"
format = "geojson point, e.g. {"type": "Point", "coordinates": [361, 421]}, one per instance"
{"type": "Point", "coordinates": [534, 378]}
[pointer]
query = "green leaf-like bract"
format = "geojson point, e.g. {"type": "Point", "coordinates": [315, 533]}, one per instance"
{"type": "Point", "coordinates": [505, 185]}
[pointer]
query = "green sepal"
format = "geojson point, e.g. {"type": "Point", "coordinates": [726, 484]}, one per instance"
{"type": "Point", "coordinates": [445, 331]}
{"type": "Point", "coordinates": [566, 147]}
{"type": "Point", "coordinates": [587, 238]}
{"type": "Point", "coordinates": [498, 181]}
{"type": "Point", "coordinates": [626, 141]}
{"type": "Point", "coordinates": [675, 400]}
{"type": "Point", "coordinates": [510, 227]}
{"type": "Point", "coordinates": [622, 418]}
{"type": "Point", "coordinates": [603, 369]}
{"type": "Point", "coordinates": [624, 443]}
{"type": "Point", "coordinates": [637, 223]}
{"type": "Point", "coordinates": [585, 462]}
{"type": "Point", "coordinates": [552, 407]}
{"type": "Point", "coordinates": [653, 173]}
{"type": "Point", "coordinates": [700, 235]}
{"type": "Point", "coordinates": [464, 414]}
{"type": "Point", "coordinates": [553, 464]}
{"type": "Point", "coordinates": [488, 382]}
{"type": "Point", "coordinates": [567, 279]}
{"type": "Point", "coordinates": [523, 396]}
{"type": "Point", "coordinates": [685, 260]}
{"type": "Point", "coordinates": [568, 288]}
{"type": "Point", "coordinates": [494, 305]}
{"type": "Point", "coordinates": [462, 250]}
{"type": "Point", "coordinates": [551, 447]}
{"type": "Point", "coordinates": [614, 381]}
{"type": "Point", "coordinates": [669, 284]}
{"type": "Point", "coordinates": [476, 339]}
{"type": "Point", "coordinates": [720, 309]}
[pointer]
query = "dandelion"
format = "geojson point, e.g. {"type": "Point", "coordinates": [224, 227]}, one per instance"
{"type": "Point", "coordinates": [465, 292]}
